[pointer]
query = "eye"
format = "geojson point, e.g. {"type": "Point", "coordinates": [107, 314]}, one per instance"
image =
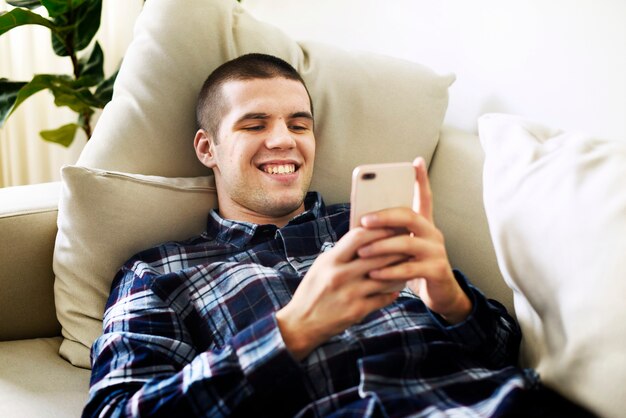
{"type": "Point", "coordinates": [253, 128]}
{"type": "Point", "coordinates": [300, 125]}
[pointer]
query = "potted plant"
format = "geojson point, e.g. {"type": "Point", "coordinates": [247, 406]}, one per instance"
{"type": "Point", "coordinates": [73, 25]}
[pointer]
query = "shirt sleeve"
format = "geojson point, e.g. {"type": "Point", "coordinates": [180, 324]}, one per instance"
{"type": "Point", "coordinates": [489, 332]}
{"type": "Point", "coordinates": [145, 362]}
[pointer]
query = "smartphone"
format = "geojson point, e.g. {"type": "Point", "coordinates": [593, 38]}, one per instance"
{"type": "Point", "coordinates": [380, 186]}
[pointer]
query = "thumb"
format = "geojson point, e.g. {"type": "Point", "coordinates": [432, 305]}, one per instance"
{"type": "Point", "coordinates": [424, 205]}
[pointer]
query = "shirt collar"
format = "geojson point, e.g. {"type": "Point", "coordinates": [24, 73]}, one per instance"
{"type": "Point", "coordinates": [239, 233]}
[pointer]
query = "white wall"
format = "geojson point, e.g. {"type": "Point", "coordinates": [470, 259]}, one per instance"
{"type": "Point", "coordinates": [561, 62]}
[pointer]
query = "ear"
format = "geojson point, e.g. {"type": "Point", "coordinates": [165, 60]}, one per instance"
{"type": "Point", "coordinates": [204, 146]}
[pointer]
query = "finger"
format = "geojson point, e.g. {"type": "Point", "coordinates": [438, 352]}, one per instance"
{"type": "Point", "coordinates": [410, 246]}
{"type": "Point", "coordinates": [400, 218]}
{"type": "Point", "coordinates": [360, 267]}
{"type": "Point", "coordinates": [369, 287]}
{"type": "Point", "coordinates": [347, 246]}
{"type": "Point", "coordinates": [429, 269]}
{"type": "Point", "coordinates": [424, 190]}
{"type": "Point", "coordinates": [391, 286]}
{"type": "Point", "coordinates": [379, 300]}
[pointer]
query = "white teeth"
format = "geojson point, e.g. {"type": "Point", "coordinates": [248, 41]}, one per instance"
{"type": "Point", "coordinates": [280, 169]}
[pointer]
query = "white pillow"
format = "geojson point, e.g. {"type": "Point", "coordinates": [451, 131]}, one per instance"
{"type": "Point", "coordinates": [556, 206]}
{"type": "Point", "coordinates": [368, 109]}
{"type": "Point", "coordinates": [107, 217]}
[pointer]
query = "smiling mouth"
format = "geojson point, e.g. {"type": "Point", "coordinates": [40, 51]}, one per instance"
{"type": "Point", "coordinates": [278, 168]}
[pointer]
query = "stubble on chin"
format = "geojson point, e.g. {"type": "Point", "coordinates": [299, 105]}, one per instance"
{"type": "Point", "coordinates": [273, 204]}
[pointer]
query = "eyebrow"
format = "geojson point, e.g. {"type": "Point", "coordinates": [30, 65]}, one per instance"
{"type": "Point", "coordinates": [305, 115]}
{"type": "Point", "coordinates": [264, 116]}
{"type": "Point", "coordinates": [249, 116]}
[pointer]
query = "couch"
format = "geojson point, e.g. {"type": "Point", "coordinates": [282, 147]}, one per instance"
{"type": "Point", "coordinates": [505, 198]}
{"type": "Point", "coordinates": [35, 381]}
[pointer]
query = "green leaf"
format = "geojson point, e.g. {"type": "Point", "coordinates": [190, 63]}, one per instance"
{"type": "Point", "coordinates": [80, 24]}
{"type": "Point", "coordinates": [91, 67]}
{"type": "Point", "coordinates": [38, 83]}
{"type": "Point", "coordinates": [28, 4]}
{"type": "Point", "coordinates": [19, 17]}
{"type": "Point", "coordinates": [8, 96]}
{"type": "Point", "coordinates": [79, 100]}
{"type": "Point", "coordinates": [104, 91]}
{"type": "Point", "coordinates": [58, 7]}
{"type": "Point", "coordinates": [64, 89]}
{"type": "Point", "coordinates": [62, 136]}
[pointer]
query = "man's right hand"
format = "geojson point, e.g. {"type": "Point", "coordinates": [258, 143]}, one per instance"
{"type": "Point", "coordinates": [337, 293]}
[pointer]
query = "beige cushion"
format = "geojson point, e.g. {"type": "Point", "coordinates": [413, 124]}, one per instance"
{"type": "Point", "coordinates": [556, 205]}
{"type": "Point", "coordinates": [108, 216]}
{"type": "Point", "coordinates": [456, 181]}
{"type": "Point", "coordinates": [368, 108]}
{"type": "Point", "coordinates": [36, 382]}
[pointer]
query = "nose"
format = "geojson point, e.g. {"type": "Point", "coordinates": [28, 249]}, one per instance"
{"type": "Point", "coordinates": [280, 137]}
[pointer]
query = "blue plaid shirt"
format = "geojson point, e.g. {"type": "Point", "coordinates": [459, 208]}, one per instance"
{"type": "Point", "coordinates": [190, 330]}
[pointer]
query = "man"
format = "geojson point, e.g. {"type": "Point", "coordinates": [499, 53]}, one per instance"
{"type": "Point", "coordinates": [278, 309]}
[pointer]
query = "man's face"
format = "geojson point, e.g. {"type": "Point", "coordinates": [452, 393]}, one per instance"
{"type": "Point", "coordinates": [265, 150]}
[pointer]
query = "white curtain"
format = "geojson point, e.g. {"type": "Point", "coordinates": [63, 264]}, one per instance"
{"type": "Point", "coordinates": [25, 158]}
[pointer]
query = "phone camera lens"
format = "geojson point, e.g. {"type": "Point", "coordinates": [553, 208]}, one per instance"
{"type": "Point", "coordinates": [368, 176]}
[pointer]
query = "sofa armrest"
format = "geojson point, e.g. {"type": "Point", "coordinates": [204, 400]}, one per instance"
{"type": "Point", "coordinates": [28, 229]}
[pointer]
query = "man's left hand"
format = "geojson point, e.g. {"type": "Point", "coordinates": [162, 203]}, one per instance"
{"type": "Point", "coordinates": [427, 268]}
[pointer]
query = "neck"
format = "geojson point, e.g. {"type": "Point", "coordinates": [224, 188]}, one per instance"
{"type": "Point", "coordinates": [229, 210]}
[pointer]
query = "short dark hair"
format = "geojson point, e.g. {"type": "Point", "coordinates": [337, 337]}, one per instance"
{"type": "Point", "coordinates": [211, 105]}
